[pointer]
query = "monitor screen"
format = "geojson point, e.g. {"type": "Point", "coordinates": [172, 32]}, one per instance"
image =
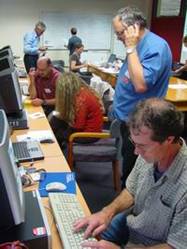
{"type": "Point", "coordinates": [11, 193]}
{"type": "Point", "coordinates": [10, 92]}
{"type": "Point", "coordinates": [6, 51]}
{"type": "Point", "coordinates": [6, 63]}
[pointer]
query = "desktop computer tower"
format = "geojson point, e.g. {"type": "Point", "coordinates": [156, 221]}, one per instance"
{"type": "Point", "coordinates": [34, 232]}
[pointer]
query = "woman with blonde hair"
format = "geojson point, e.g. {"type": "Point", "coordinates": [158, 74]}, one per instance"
{"type": "Point", "coordinates": [78, 108]}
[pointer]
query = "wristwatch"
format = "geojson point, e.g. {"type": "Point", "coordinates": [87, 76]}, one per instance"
{"type": "Point", "coordinates": [130, 50]}
{"type": "Point", "coordinates": [44, 103]}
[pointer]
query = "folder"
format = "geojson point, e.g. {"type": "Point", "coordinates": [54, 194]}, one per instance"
{"type": "Point", "coordinates": [67, 178]}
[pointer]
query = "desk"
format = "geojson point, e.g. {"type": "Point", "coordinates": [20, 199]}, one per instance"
{"type": "Point", "coordinates": [177, 96]}
{"type": "Point", "coordinates": [105, 76]}
{"type": "Point", "coordinates": [53, 161]}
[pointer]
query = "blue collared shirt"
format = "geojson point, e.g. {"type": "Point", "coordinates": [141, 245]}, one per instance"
{"type": "Point", "coordinates": [155, 57]}
{"type": "Point", "coordinates": [31, 43]}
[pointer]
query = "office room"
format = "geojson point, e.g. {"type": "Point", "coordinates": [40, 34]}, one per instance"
{"type": "Point", "coordinates": [156, 139]}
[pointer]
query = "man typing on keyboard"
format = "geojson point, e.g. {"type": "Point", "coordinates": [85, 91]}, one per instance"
{"type": "Point", "coordinates": [151, 212]}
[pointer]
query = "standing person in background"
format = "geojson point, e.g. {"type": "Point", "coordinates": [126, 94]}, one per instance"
{"type": "Point", "coordinates": [145, 73]}
{"type": "Point", "coordinates": [32, 49]}
{"type": "Point", "coordinates": [43, 84]}
{"type": "Point", "coordinates": [73, 41]}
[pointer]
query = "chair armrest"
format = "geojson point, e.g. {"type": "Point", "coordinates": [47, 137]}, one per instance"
{"type": "Point", "coordinates": [89, 134]}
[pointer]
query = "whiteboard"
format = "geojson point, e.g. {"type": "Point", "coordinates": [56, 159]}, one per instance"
{"type": "Point", "coordinates": [119, 48]}
{"type": "Point", "coordinates": [93, 29]}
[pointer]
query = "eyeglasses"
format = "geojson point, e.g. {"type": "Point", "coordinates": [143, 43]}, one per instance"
{"type": "Point", "coordinates": [143, 147]}
{"type": "Point", "coordinates": [119, 33]}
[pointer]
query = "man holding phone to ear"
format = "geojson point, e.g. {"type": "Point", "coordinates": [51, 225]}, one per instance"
{"type": "Point", "coordinates": [144, 74]}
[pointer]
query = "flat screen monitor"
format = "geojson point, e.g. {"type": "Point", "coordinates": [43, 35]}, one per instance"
{"type": "Point", "coordinates": [111, 58]}
{"type": "Point", "coordinates": [10, 92]}
{"type": "Point", "coordinates": [12, 206]}
{"type": "Point", "coordinates": [6, 51]}
{"type": "Point", "coordinates": [6, 62]}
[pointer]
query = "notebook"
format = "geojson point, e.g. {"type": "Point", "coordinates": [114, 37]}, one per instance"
{"type": "Point", "coordinates": [27, 151]}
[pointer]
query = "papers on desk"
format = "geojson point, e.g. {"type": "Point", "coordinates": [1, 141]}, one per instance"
{"type": "Point", "coordinates": [178, 86]}
{"type": "Point", "coordinates": [37, 115]}
{"type": "Point", "coordinates": [36, 136]}
{"type": "Point", "coordinates": [109, 70]}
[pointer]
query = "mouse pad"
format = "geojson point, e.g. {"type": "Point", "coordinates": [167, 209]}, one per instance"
{"type": "Point", "coordinates": [67, 178]}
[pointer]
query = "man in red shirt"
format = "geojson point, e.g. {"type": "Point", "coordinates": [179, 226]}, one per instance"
{"type": "Point", "coordinates": [43, 84]}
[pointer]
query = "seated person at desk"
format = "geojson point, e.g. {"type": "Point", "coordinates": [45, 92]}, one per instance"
{"type": "Point", "coordinates": [78, 108]}
{"type": "Point", "coordinates": [43, 84]}
{"type": "Point", "coordinates": [151, 212]}
{"type": "Point", "coordinates": [76, 65]}
{"type": "Point", "coordinates": [181, 72]}
{"type": "Point", "coordinates": [74, 59]}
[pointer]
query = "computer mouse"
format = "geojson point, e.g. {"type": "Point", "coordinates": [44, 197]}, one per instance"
{"type": "Point", "coordinates": [55, 186]}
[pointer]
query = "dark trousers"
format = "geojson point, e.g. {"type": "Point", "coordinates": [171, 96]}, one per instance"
{"type": "Point", "coordinates": [127, 152]}
{"type": "Point", "coordinates": [30, 61]}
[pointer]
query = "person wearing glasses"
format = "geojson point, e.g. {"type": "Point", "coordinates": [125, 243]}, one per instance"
{"type": "Point", "coordinates": [145, 73]}
{"type": "Point", "coordinates": [151, 212]}
{"type": "Point", "coordinates": [32, 48]}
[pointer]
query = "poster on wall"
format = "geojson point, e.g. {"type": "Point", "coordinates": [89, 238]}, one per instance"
{"type": "Point", "coordinates": [168, 8]}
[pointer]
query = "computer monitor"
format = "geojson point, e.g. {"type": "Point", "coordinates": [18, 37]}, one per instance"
{"type": "Point", "coordinates": [10, 92]}
{"type": "Point", "coordinates": [6, 51]}
{"type": "Point", "coordinates": [111, 58]}
{"type": "Point", "coordinates": [6, 62]}
{"type": "Point", "coordinates": [12, 206]}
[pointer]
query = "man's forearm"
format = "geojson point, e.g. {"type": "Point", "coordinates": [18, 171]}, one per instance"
{"type": "Point", "coordinates": [49, 101]}
{"type": "Point", "coordinates": [122, 202]}
{"type": "Point", "coordinates": [136, 72]}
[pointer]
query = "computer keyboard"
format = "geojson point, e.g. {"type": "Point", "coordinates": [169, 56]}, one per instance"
{"type": "Point", "coordinates": [67, 209]}
{"type": "Point", "coordinates": [27, 151]}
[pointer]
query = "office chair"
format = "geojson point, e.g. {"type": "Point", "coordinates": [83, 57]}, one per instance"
{"type": "Point", "coordinates": [58, 65]}
{"type": "Point", "coordinates": [104, 150]}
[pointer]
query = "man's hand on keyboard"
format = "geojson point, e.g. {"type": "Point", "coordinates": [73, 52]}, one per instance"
{"type": "Point", "coordinates": [94, 224]}
{"type": "Point", "coordinates": [102, 244]}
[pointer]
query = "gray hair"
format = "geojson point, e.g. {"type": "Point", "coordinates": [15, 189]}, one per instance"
{"type": "Point", "coordinates": [41, 25]}
{"type": "Point", "coordinates": [131, 15]}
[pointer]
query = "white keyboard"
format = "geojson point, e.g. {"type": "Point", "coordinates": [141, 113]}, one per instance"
{"type": "Point", "coordinates": [67, 209]}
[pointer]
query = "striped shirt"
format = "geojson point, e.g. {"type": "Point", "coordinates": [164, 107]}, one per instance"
{"type": "Point", "coordinates": [159, 214]}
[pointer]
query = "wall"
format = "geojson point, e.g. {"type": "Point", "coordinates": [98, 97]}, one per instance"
{"type": "Point", "coordinates": [19, 16]}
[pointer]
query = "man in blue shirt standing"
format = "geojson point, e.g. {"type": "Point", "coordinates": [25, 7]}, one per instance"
{"type": "Point", "coordinates": [31, 46]}
{"type": "Point", "coordinates": [144, 74]}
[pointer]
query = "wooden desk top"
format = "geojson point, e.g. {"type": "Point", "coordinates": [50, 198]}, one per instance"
{"type": "Point", "coordinates": [53, 161]}
{"type": "Point", "coordinates": [106, 76]}
{"type": "Point", "coordinates": [178, 96]}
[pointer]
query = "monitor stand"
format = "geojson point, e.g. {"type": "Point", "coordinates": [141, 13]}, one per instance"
{"type": "Point", "coordinates": [34, 232]}
{"type": "Point", "coordinates": [18, 121]}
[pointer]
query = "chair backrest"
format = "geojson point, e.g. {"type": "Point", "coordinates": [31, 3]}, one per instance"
{"type": "Point", "coordinates": [58, 63]}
